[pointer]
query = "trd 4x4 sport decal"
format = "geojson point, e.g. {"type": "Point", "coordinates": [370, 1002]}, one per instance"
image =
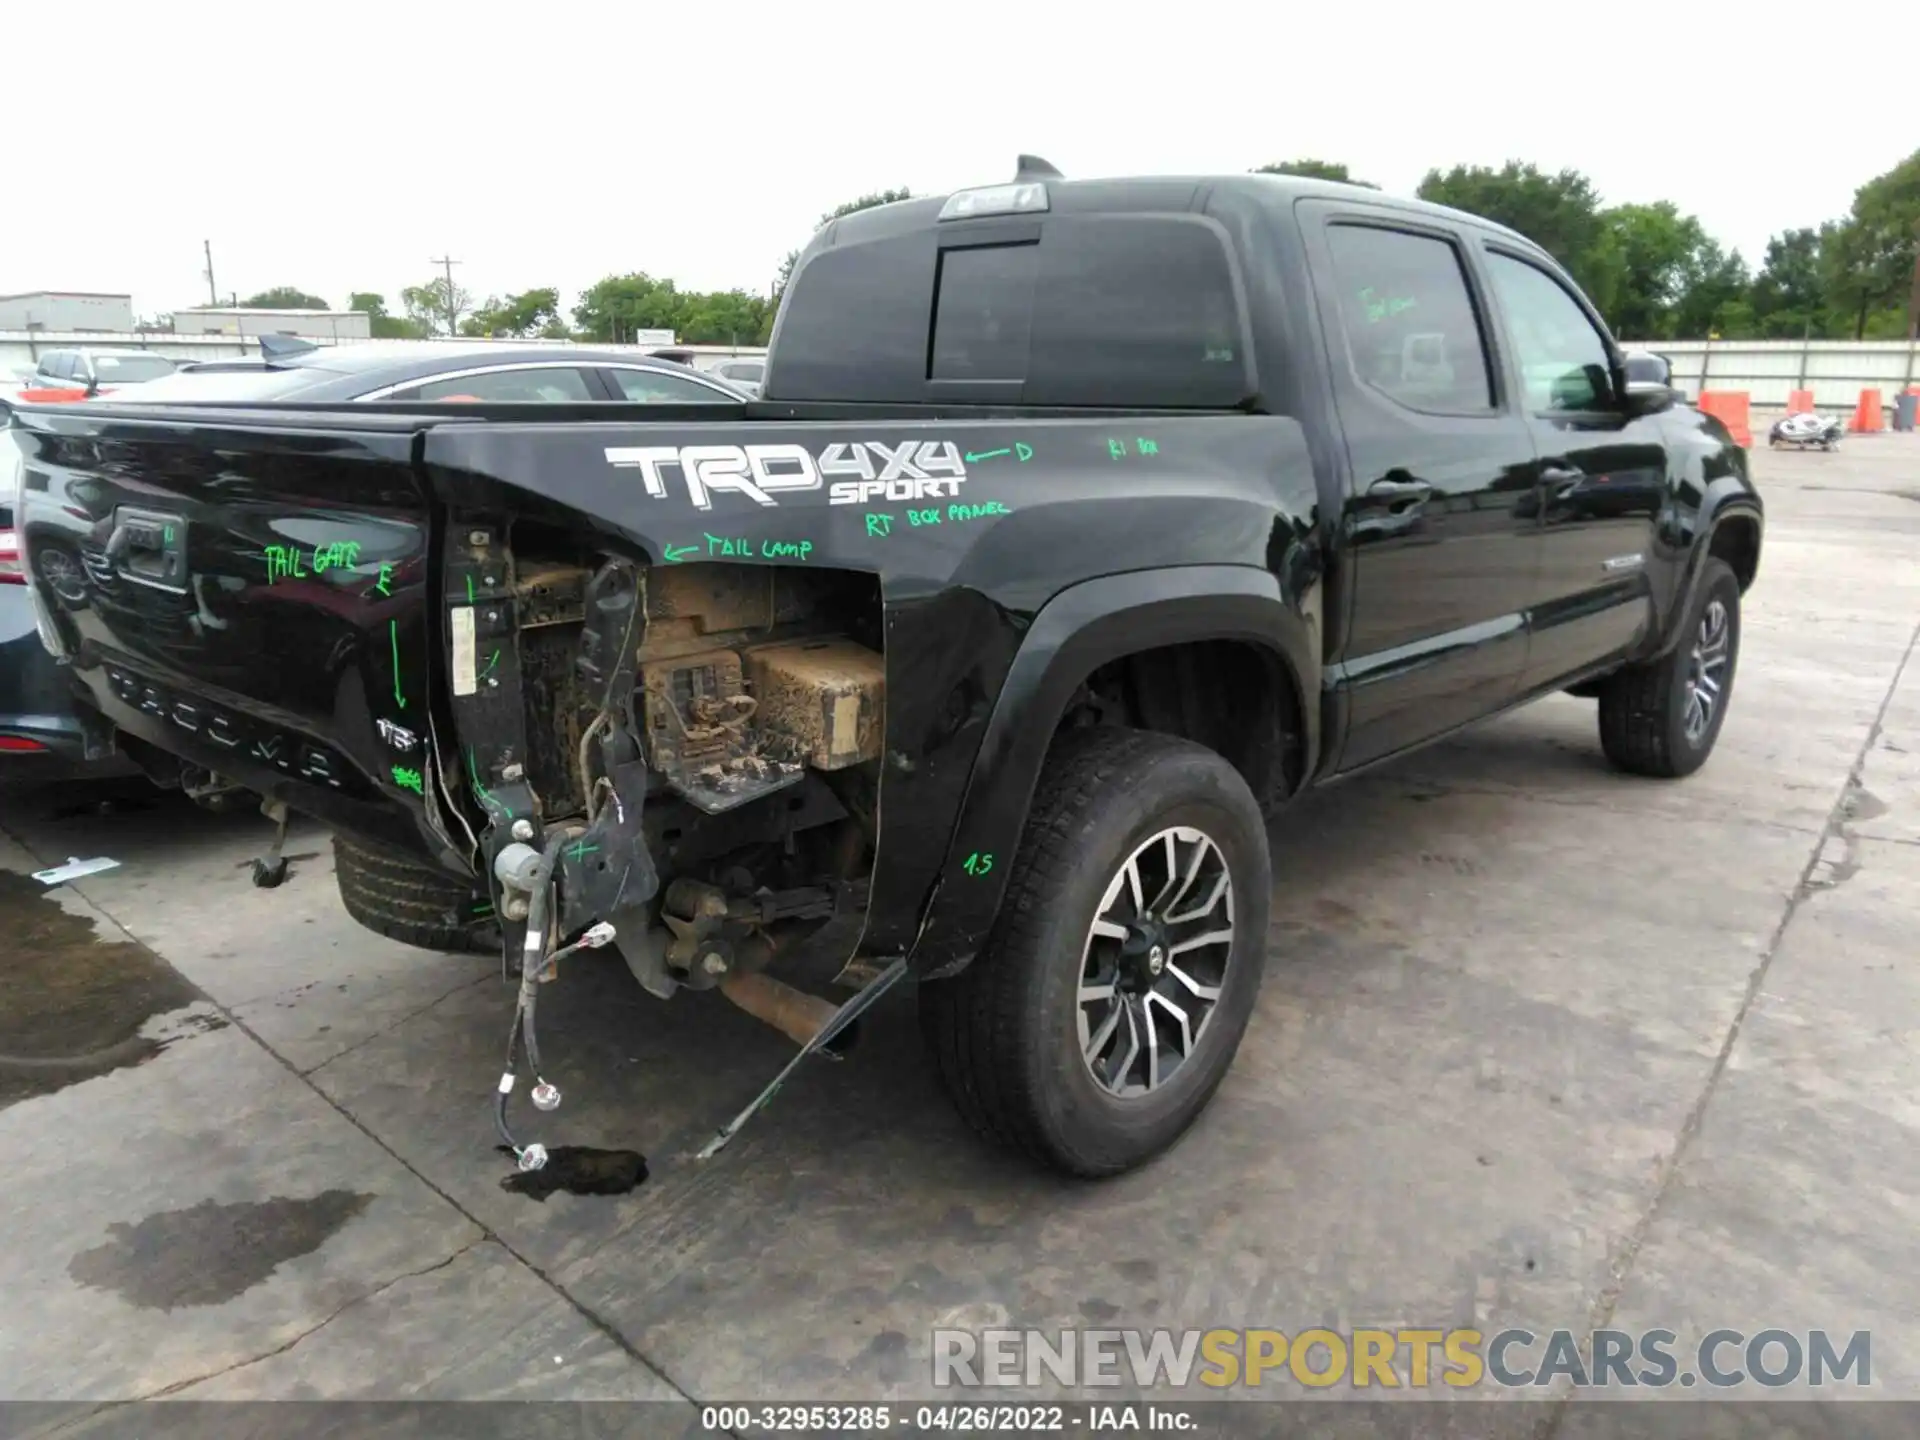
{"type": "Point", "coordinates": [908, 470]}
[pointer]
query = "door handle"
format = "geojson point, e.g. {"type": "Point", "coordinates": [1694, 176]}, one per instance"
{"type": "Point", "coordinates": [1393, 491]}
{"type": "Point", "coordinates": [1560, 475]}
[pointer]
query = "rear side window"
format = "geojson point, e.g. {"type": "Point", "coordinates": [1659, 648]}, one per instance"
{"type": "Point", "coordinates": [533, 387]}
{"type": "Point", "coordinates": [1409, 319]}
{"type": "Point", "coordinates": [650, 387]}
{"type": "Point", "coordinates": [1125, 310]}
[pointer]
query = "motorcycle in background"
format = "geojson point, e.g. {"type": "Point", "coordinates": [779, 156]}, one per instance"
{"type": "Point", "coordinates": [1807, 430]}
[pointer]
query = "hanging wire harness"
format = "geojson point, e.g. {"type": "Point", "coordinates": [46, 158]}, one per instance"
{"type": "Point", "coordinates": [521, 867]}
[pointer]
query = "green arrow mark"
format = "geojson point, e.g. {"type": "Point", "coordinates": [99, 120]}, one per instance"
{"type": "Point", "coordinates": [988, 454]}
{"type": "Point", "coordinates": [393, 633]}
{"type": "Point", "coordinates": [675, 554]}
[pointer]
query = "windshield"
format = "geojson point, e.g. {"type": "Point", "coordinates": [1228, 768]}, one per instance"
{"type": "Point", "coordinates": [131, 369]}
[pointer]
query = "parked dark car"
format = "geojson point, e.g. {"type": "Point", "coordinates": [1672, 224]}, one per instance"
{"type": "Point", "coordinates": [43, 734]}
{"type": "Point", "coordinates": [1080, 528]}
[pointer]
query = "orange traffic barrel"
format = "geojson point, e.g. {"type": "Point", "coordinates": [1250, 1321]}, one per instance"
{"type": "Point", "coordinates": [1800, 402]}
{"type": "Point", "coordinates": [1866, 415]}
{"type": "Point", "coordinates": [1731, 408]}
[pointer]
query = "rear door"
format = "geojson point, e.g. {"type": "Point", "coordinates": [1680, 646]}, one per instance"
{"type": "Point", "coordinates": [1445, 546]}
{"type": "Point", "coordinates": [1602, 476]}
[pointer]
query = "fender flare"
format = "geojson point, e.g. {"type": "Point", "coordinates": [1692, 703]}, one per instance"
{"type": "Point", "coordinates": [1717, 511]}
{"type": "Point", "coordinates": [1080, 629]}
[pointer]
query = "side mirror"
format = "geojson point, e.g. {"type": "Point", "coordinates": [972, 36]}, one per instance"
{"type": "Point", "coordinates": [93, 385]}
{"type": "Point", "coordinates": [1649, 399]}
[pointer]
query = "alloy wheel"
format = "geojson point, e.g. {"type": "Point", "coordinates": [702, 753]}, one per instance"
{"type": "Point", "coordinates": [1707, 670]}
{"type": "Point", "coordinates": [1155, 961]}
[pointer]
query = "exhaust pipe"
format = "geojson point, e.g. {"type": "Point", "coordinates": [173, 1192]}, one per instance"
{"type": "Point", "coordinates": [794, 1013]}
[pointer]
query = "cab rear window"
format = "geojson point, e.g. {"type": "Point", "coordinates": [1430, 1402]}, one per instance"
{"type": "Point", "coordinates": [1094, 310]}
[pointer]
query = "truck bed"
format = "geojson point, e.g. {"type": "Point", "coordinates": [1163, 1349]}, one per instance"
{"type": "Point", "coordinates": [325, 603]}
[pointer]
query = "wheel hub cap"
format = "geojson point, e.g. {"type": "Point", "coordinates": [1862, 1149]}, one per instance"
{"type": "Point", "coordinates": [1155, 961]}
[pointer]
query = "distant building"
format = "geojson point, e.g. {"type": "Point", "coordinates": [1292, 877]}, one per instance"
{"type": "Point", "coordinates": [66, 311]}
{"type": "Point", "coordinates": [333, 325]}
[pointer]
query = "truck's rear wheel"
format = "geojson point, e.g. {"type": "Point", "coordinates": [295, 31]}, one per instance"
{"type": "Point", "coordinates": [1111, 996]}
{"type": "Point", "coordinates": [413, 904]}
{"type": "Point", "coordinates": [1662, 718]}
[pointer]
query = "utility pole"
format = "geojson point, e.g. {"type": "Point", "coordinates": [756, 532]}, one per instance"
{"type": "Point", "coordinates": [213, 295]}
{"type": "Point", "coordinates": [453, 313]}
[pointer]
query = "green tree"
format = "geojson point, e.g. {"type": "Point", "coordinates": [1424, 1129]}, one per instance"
{"type": "Point", "coordinates": [1639, 264]}
{"type": "Point", "coordinates": [284, 297]}
{"type": "Point", "coordinates": [1867, 261]}
{"type": "Point", "coordinates": [725, 317]}
{"type": "Point", "coordinates": [531, 312]}
{"type": "Point", "coordinates": [614, 308]}
{"type": "Point", "coordinates": [379, 323]}
{"type": "Point", "coordinates": [436, 307]}
{"type": "Point", "coordinates": [865, 202]}
{"type": "Point", "coordinates": [1559, 213]}
{"type": "Point", "coordinates": [1713, 293]}
{"type": "Point", "coordinates": [1786, 297]}
{"type": "Point", "coordinates": [1314, 170]}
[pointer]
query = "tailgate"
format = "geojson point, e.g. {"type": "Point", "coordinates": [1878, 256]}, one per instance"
{"type": "Point", "coordinates": [246, 592]}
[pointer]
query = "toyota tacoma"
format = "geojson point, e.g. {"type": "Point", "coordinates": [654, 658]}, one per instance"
{"type": "Point", "coordinates": [1079, 527]}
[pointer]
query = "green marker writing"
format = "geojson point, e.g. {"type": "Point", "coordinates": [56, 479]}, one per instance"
{"type": "Point", "coordinates": [473, 769]}
{"type": "Point", "coordinates": [676, 553]}
{"type": "Point", "coordinates": [988, 454]}
{"type": "Point", "coordinates": [393, 633]}
{"type": "Point", "coordinates": [384, 583]}
{"type": "Point", "coordinates": [409, 780]}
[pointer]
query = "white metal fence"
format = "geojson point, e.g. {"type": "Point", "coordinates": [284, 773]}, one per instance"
{"type": "Point", "coordinates": [1836, 371]}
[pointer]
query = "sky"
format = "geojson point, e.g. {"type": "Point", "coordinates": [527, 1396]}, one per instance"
{"type": "Point", "coordinates": [347, 146]}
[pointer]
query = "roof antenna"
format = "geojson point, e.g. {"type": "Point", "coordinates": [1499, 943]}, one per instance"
{"type": "Point", "coordinates": [1032, 167]}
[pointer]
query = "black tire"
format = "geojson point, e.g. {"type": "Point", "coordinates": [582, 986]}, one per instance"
{"type": "Point", "coordinates": [1004, 1031]}
{"type": "Point", "coordinates": [412, 903]}
{"type": "Point", "coordinates": [1645, 709]}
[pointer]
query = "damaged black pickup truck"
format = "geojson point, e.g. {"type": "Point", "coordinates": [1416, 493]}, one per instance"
{"type": "Point", "coordinates": [1079, 526]}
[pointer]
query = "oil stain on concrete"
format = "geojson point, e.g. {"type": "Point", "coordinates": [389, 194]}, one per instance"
{"type": "Point", "coordinates": [208, 1253]}
{"type": "Point", "coordinates": [76, 1004]}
